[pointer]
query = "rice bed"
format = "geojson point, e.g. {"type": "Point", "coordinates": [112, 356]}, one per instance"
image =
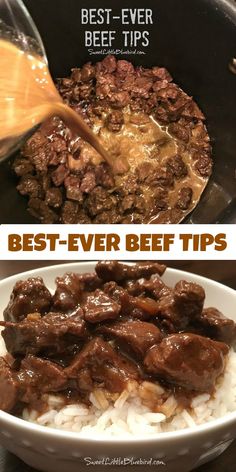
{"type": "Point", "coordinates": [127, 416]}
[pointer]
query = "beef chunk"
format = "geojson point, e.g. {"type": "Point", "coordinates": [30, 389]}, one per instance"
{"type": "Point", "coordinates": [40, 375]}
{"type": "Point", "coordinates": [59, 175]}
{"type": "Point", "coordinates": [184, 199]}
{"type": "Point", "coordinates": [100, 307]}
{"type": "Point", "coordinates": [82, 92]}
{"type": "Point", "coordinates": [187, 360]}
{"type": "Point", "coordinates": [179, 131]}
{"type": "Point", "coordinates": [115, 120]}
{"type": "Point", "coordinates": [169, 216]}
{"type": "Point", "coordinates": [68, 292]}
{"type": "Point", "coordinates": [161, 74]}
{"type": "Point", "coordinates": [39, 209]}
{"type": "Point", "coordinates": [162, 177]}
{"type": "Point", "coordinates": [53, 197]}
{"type": "Point", "coordinates": [119, 99]}
{"type": "Point", "coordinates": [90, 281]}
{"type": "Point", "coordinates": [41, 157]}
{"type": "Point", "coordinates": [124, 68]}
{"type": "Point", "coordinates": [29, 185]}
{"type": "Point", "coordinates": [70, 213]}
{"type": "Point", "coordinates": [22, 166]}
{"type": "Point", "coordinates": [153, 287]}
{"type": "Point", "coordinates": [179, 307]}
{"type": "Point", "coordinates": [44, 335]}
{"type": "Point", "coordinates": [104, 176]}
{"type": "Point", "coordinates": [191, 110]}
{"type": "Point", "coordinates": [100, 200]}
{"type": "Point", "coordinates": [103, 365]}
{"type": "Point", "coordinates": [189, 298]}
{"type": "Point", "coordinates": [8, 387]}
{"type": "Point", "coordinates": [142, 87]}
{"type": "Point", "coordinates": [88, 182]}
{"type": "Point", "coordinates": [87, 72]}
{"type": "Point", "coordinates": [72, 185]}
{"type": "Point", "coordinates": [204, 166]}
{"type": "Point", "coordinates": [144, 171]}
{"type": "Point", "coordinates": [58, 143]}
{"type": "Point", "coordinates": [177, 166]}
{"type": "Point", "coordinates": [28, 296]}
{"type": "Point", "coordinates": [217, 326]}
{"type": "Point", "coordinates": [135, 307]}
{"type": "Point", "coordinates": [159, 201]}
{"type": "Point", "coordinates": [134, 336]}
{"type": "Point", "coordinates": [107, 65]}
{"type": "Point", "coordinates": [129, 185]}
{"type": "Point", "coordinates": [114, 270]}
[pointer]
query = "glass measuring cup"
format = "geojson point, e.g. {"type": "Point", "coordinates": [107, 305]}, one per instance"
{"type": "Point", "coordinates": [18, 29]}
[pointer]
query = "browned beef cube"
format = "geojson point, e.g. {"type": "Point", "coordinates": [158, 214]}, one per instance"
{"type": "Point", "coordinates": [88, 182]}
{"type": "Point", "coordinates": [99, 307]}
{"type": "Point", "coordinates": [72, 185]}
{"type": "Point", "coordinates": [153, 287]}
{"type": "Point", "coordinates": [134, 336]}
{"type": "Point", "coordinates": [29, 185]}
{"type": "Point", "coordinates": [8, 387]}
{"type": "Point", "coordinates": [40, 375]}
{"type": "Point", "coordinates": [177, 166]}
{"type": "Point", "coordinates": [180, 306]}
{"type": "Point", "coordinates": [114, 270]}
{"type": "Point", "coordinates": [59, 175]}
{"type": "Point", "coordinates": [70, 212]}
{"type": "Point", "coordinates": [204, 166]}
{"type": "Point", "coordinates": [115, 120]}
{"type": "Point", "coordinates": [53, 197]}
{"type": "Point", "coordinates": [135, 307]}
{"type": "Point", "coordinates": [108, 64]}
{"type": "Point", "coordinates": [104, 175]}
{"type": "Point", "coordinates": [39, 209]}
{"type": "Point", "coordinates": [44, 335]}
{"type": "Point", "coordinates": [68, 292]}
{"type": "Point", "coordinates": [87, 72]}
{"type": "Point", "coordinates": [179, 131]}
{"type": "Point", "coordinates": [22, 166]}
{"type": "Point", "coordinates": [189, 298]}
{"type": "Point", "coordinates": [187, 360]}
{"type": "Point", "coordinates": [100, 200]}
{"type": "Point", "coordinates": [184, 199]}
{"type": "Point", "coordinates": [99, 363]}
{"type": "Point", "coordinates": [217, 326]}
{"type": "Point", "coordinates": [124, 68]}
{"type": "Point", "coordinates": [90, 281]}
{"type": "Point", "coordinates": [28, 296]}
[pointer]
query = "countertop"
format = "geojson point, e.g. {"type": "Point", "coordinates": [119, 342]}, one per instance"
{"type": "Point", "coordinates": [224, 271]}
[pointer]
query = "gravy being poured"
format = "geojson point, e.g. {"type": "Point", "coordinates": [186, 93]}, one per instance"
{"type": "Point", "coordinates": [28, 96]}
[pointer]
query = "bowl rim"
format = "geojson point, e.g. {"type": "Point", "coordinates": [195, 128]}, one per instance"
{"type": "Point", "coordinates": [19, 423]}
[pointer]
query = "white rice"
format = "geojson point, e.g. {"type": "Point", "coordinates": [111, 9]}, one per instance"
{"type": "Point", "coordinates": [127, 415]}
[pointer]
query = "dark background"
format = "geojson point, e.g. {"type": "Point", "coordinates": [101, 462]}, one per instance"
{"type": "Point", "coordinates": [223, 271]}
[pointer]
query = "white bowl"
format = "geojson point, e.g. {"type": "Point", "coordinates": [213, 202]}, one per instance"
{"type": "Point", "coordinates": [52, 450]}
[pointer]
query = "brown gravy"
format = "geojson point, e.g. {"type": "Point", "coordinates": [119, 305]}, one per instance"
{"type": "Point", "coordinates": [28, 96]}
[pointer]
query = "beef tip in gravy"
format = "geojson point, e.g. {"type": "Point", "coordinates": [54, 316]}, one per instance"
{"type": "Point", "coordinates": [187, 360]}
{"type": "Point", "coordinates": [28, 296]}
{"type": "Point", "coordinates": [102, 365]}
{"type": "Point", "coordinates": [142, 118]}
{"type": "Point", "coordinates": [104, 329]}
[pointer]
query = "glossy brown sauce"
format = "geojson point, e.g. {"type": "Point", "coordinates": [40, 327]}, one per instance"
{"type": "Point", "coordinates": [143, 140]}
